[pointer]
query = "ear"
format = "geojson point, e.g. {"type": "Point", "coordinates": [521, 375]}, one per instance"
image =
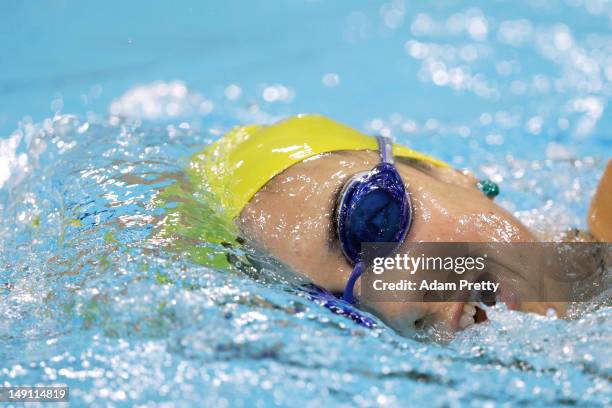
{"type": "Point", "coordinates": [599, 217]}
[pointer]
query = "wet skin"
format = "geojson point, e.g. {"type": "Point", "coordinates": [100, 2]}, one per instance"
{"type": "Point", "coordinates": [291, 217]}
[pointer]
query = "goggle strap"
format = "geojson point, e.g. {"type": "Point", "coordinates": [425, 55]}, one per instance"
{"type": "Point", "coordinates": [347, 296]}
{"type": "Point", "coordinates": [385, 147]}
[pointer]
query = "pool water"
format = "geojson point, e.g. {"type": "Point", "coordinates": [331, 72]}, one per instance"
{"type": "Point", "coordinates": [104, 289]}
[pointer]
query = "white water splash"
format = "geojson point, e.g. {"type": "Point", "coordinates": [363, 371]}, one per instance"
{"type": "Point", "coordinates": [159, 100]}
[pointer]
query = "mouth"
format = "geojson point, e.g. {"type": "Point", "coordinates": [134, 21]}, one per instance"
{"type": "Point", "coordinates": [467, 314]}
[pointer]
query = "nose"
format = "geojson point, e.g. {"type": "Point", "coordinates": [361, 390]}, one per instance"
{"type": "Point", "coordinates": [410, 317]}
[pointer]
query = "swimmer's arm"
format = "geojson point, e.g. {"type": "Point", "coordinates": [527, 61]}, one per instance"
{"type": "Point", "coordinates": [599, 217]}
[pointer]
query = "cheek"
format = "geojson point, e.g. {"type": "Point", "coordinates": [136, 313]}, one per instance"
{"type": "Point", "coordinates": [295, 228]}
{"type": "Point", "coordinates": [494, 226]}
{"type": "Point", "coordinates": [308, 249]}
{"type": "Point", "coordinates": [434, 218]}
{"type": "Point", "coordinates": [305, 247]}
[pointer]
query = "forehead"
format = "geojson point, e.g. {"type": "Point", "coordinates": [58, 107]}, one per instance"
{"type": "Point", "coordinates": [303, 196]}
{"type": "Point", "coordinates": [322, 171]}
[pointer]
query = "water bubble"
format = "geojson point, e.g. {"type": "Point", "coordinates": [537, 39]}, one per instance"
{"type": "Point", "coordinates": [376, 124]}
{"type": "Point", "coordinates": [469, 53]}
{"type": "Point", "coordinates": [563, 38]}
{"type": "Point", "coordinates": [331, 80]}
{"type": "Point", "coordinates": [416, 49]}
{"type": "Point", "coordinates": [477, 27]}
{"type": "Point", "coordinates": [440, 77]}
{"type": "Point", "coordinates": [486, 118]}
{"type": "Point", "coordinates": [233, 92]}
{"type": "Point", "coordinates": [456, 23]}
{"type": "Point", "coordinates": [277, 93]}
{"type": "Point", "coordinates": [57, 104]}
{"type": "Point", "coordinates": [422, 25]}
{"type": "Point", "coordinates": [95, 91]}
{"type": "Point", "coordinates": [515, 32]}
{"type": "Point", "coordinates": [563, 123]}
{"type": "Point", "coordinates": [409, 126]}
{"type": "Point", "coordinates": [504, 68]}
{"type": "Point", "coordinates": [393, 13]}
{"type": "Point", "coordinates": [534, 125]}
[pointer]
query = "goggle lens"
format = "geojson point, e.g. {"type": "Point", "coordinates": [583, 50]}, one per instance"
{"type": "Point", "coordinates": [376, 218]}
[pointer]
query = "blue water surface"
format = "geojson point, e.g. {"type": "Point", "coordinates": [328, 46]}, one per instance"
{"type": "Point", "coordinates": [102, 103]}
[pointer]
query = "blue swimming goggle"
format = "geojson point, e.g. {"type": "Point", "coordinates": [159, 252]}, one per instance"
{"type": "Point", "coordinates": [372, 207]}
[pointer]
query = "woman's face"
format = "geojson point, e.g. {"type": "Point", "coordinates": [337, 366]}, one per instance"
{"type": "Point", "coordinates": [291, 217]}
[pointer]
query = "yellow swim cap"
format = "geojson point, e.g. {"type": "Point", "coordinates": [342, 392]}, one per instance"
{"type": "Point", "coordinates": [247, 157]}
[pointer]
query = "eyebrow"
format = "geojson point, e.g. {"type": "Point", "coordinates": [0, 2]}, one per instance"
{"type": "Point", "coordinates": [332, 234]}
{"type": "Point", "coordinates": [416, 164]}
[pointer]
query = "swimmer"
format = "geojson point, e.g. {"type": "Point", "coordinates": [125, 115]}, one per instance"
{"type": "Point", "coordinates": [293, 189]}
